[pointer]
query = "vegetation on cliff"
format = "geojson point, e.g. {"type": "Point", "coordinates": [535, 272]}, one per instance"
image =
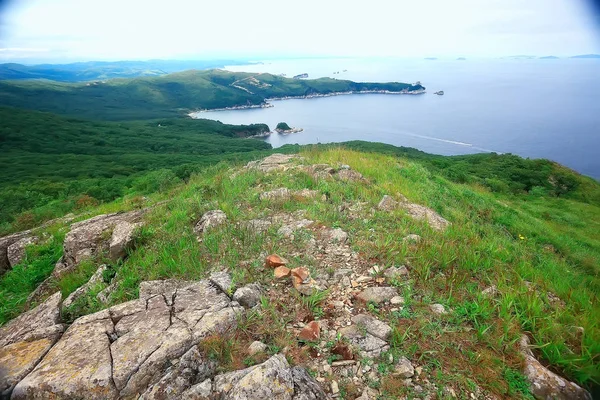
{"type": "Point", "coordinates": [283, 126]}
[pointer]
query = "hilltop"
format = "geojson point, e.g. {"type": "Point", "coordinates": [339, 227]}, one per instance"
{"type": "Point", "coordinates": [381, 273]}
{"type": "Point", "coordinates": [173, 95]}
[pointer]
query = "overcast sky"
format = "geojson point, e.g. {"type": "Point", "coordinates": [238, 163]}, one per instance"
{"type": "Point", "coordinates": [73, 30]}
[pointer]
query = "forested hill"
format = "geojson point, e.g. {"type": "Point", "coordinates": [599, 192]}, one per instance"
{"type": "Point", "coordinates": [170, 95]}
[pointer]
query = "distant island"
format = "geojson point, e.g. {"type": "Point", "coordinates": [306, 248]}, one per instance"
{"type": "Point", "coordinates": [431, 58]}
{"type": "Point", "coordinates": [181, 93]}
{"type": "Point", "coordinates": [587, 56]}
{"type": "Point", "coordinates": [549, 58]}
{"type": "Point", "coordinates": [284, 128]}
{"type": "Point", "coordinates": [461, 59]}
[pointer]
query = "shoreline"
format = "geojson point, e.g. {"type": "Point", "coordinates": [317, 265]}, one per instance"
{"type": "Point", "coordinates": [266, 104]}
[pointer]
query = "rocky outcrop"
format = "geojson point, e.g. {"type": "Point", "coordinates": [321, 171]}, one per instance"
{"type": "Point", "coordinates": [415, 211]}
{"type": "Point", "coordinates": [209, 220]}
{"type": "Point", "coordinates": [5, 243]}
{"type": "Point", "coordinates": [16, 251]}
{"type": "Point", "coordinates": [274, 162]}
{"type": "Point", "coordinates": [25, 340]}
{"type": "Point", "coordinates": [545, 384]}
{"type": "Point", "coordinates": [273, 379]}
{"type": "Point", "coordinates": [121, 240]}
{"type": "Point", "coordinates": [123, 350]}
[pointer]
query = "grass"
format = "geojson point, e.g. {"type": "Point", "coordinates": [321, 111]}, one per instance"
{"type": "Point", "coordinates": [535, 249]}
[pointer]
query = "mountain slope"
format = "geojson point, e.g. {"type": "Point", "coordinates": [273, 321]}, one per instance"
{"type": "Point", "coordinates": [468, 290]}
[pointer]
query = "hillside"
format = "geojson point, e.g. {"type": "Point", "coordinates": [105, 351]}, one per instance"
{"type": "Point", "coordinates": [53, 162]}
{"type": "Point", "coordinates": [407, 280]}
{"type": "Point", "coordinates": [170, 95]}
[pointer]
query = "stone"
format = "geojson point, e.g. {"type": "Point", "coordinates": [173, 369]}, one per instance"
{"type": "Point", "coordinates": [412, 238]}
{"type": "Point", "coordinates": [338, 274]}
{"type": "Point", "coordinates": [419, 212]}
{"type": "Point", "coordinates": [343, 350]}
{"type": "Point", "coordinates": [404, 368]}
{"type": "Point", "coordinates": [397, 300]}
{"type": "Point", "coordinates": [257, 347]}
{"type": "Point", "coordinates": [305, 386]}
{"type": "Point", "coordinates": [545, 384]}
{"type": "Point", "coordinates": [387, 203]}
{"type": "Point", "coordinates": [281, 272]}
{"type": "Point", "coordinates": [311, 332]}
{"type": "Point", "coordinates": [377, 294]}
{"type": "Point", "coordinates": [270, 380]}
{"type": "Point", "coordinates": [373, 326]}
{"type": "Point", "coordinates": [274, 162]}
{"type": "Point", "coordinates": [257, 226]}
{"type": "Point", "coordinates": [97, 278]}
{"type": "Point", "coordinates": [200, 391]}
{"type": "Point", "coordinates": [25, 340]}
{"type": "Point", "coordinates": [306, 287]}
{"type": "Point", "coordinates": [307, 194]}
{"type": "Point", "coordinates": [369, 345]}
{"type": "Point", "coordinates": [274, 261]}
{"type": "Point", "coordinates": [248, 296]}
{"type": "Point", "coordinates": [104, 295]}
{"type": "Point", "coordinates": [301, 273]}
{"type": "Point", "coordinates": [335, 390]}
{"type": "Point", "coordinates": [349, 175]}
{"type": "Point", "coordinates": [210, 219]}
{"type": "Point", "coordinates": [438, 309]}
{"type": "Point", "coordinates": [121, 240]}
{"type": "Point", "coordinates": [5, 243]}
{"type": "Point", "coordinates": [281, 194]}
{"type": "Point", "coordinates": [16, 251]}
{"type": "Point", "coordinates": [222, 280]}
{"type": "Point", "coordinates": [337, 235]}
{"type": "Point", "coordinates": [128, 349]}
{"type": "Point", "coordinates": [396, 273]}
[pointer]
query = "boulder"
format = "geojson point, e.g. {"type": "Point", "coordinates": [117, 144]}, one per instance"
{"type": "Point", "coordinates": [373, 326]}
{"type": "Point", "coordinates": [349, 175]}
{"type": "Point", "coordinates": [222, 280]}
{"type": "Point", "coordinates": [210, 220]}
{"type": "Point", "coordinates": [404, 368]}
{"type": "Point", "coordinates": [199, 391]}
{"type": "Point", "coordinates": [419, 212]}
{"type": "Point", "coordinates": [5, 243]}
{"type": "Point", "coordinates": [305, 386]}
{"type": "Point", "coordinates": [545, 384]}
{"type": "Point", "coordinates": [16, 251]}
{"type": "Point", "coordinates": [274, 261]}
{"type": "Point", "coordinates": [412, 238]}
{"type": "Point", "coordinates": [25, 340]}
{"type": "Point", "coordinates": [438, 309]}
{"type": "Point", "coordinates": [400, 272]}
{"type": "Point", "coordinates": [311, 332]}
{"type": "Point", "coordinates": [248, 296]}
{"type": "Point", "coordinates": [82, 290]}
{"type": "Point", "coordinates": [387, 203]}
{"type": "Point", "coordinates": [256, 347]}
{"type": "Point", "coordinates": [121, 240]}
{"type": "Point", "coordinates": [377, 294]}
{"type": "Point", "coordinates": [127, 350]}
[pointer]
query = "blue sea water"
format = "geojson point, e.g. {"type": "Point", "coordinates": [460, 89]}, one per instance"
{"type": "Point", "coordinates": [533, 108]}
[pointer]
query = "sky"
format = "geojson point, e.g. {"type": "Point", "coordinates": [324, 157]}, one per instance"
{"type": "Point", "coordinates": [80, 30]}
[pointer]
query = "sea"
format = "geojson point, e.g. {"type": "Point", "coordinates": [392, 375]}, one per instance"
{"type": "Point", "coordinates": [536, 108]}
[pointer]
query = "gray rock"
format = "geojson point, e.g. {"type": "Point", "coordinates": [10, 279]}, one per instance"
{"type": "Point", "coordinates": [104, 295]}
{"type": "Point", "coordinates": [397, 300]}
{"type": "Point", "coordinates": [437, 309]}
{"type": "Point", "coordinates": [269, 380]}
{"type": "Point", "coordinates": [387, 203]}
{"type": "Point", "coordinates": [338, 274]}
{"type": "Point", "coordinates": [25, 340]}
{"type": "Point", "coordinates": [222, 280]}
{"type": "Point", "coordinates": [490, 291]}
{"type": "Point", "coordinates": [349, 175]}
{"type": "Point", "coordinates": [373, 326]}
{"type": "Point", "coordinates": [200, 391]}
{"type": "Point", "coordinates": [337, 235]}
{"type": "Point", "coordinates": [122, 239]}
{"type": "Point", "coordinates": [5, 243]}
{"type": "Point", "coordinates": [81, 291]}
{"type": "Point", "coordinates": [210, 220]}
{"type": "Point", "coordinates": [377, 294]}
{"type": "Point", "coordinates": [16, 251]}
{"type": "Point", "coordinates": [404, 368]}
{"type": "Point", "coordinates": [257, 226]}
{"type": "Point", "coordinates": [124, 350]}
{"type": "Point", "coordinates": [256, 347]}
{"type": "Point", "coordinates": [305, 386]}
{"type": "Point", "coordinates": [400, 272]}
{"type": "Point", "coordinates": [419, 212]}
{"type": "Point", "coordinates": [276, 195]}
{"type": "Point", "coordinates": [248, 296]}
{"type": "Point", "coordinates": [545, 384]}
{"type": "Point", "coordinates": [369, 345]}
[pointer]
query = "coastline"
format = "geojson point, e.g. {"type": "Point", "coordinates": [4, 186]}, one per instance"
{"type": "Point", "coordinates": [266, 104]}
